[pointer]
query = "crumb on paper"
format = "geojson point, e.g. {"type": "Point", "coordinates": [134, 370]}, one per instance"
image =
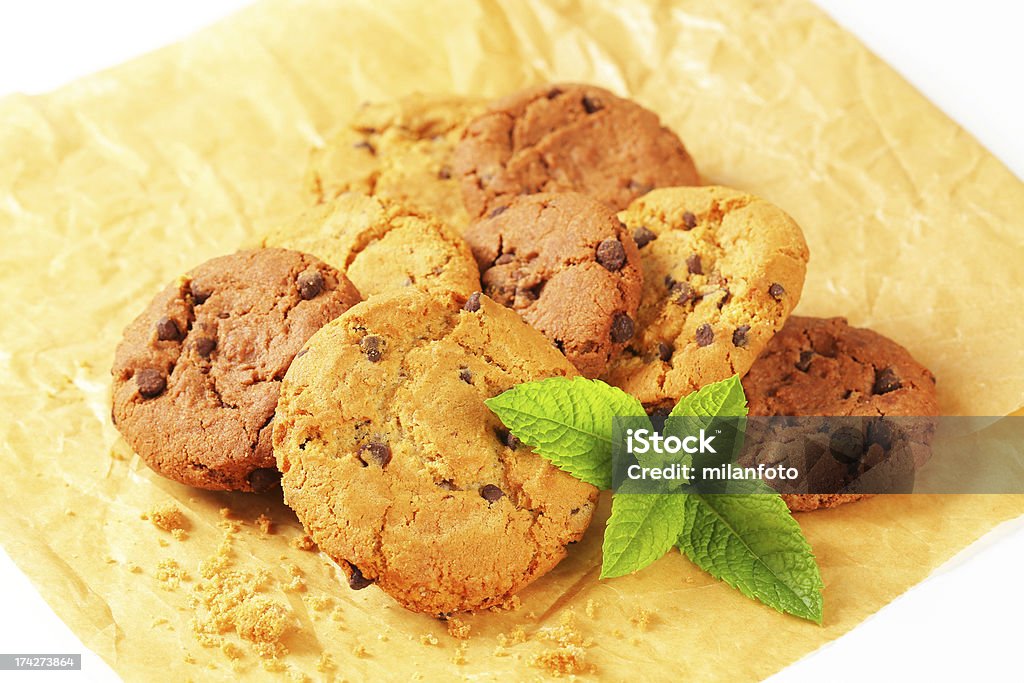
{"type": "Point", "coordinates": [225, 513]}
{"type": "Point", "coordinates": [360, 651]}
{"type": "Point", "coordinates": [510, 605]}
{"type": "Point", "coordinates": [168, 517]}
{"type": "Point", "coordinates": [514, 637]}
{"type": "Point", "coordinates": [304, 542]}
{"type": "Point", "coordinates": [265, 524]}
{"type": "Point", "coordinates": [319, 603]}
{"type": "Point", "coordinates": [591, 609]}
{"type": "Point", "coordinates": [170, 574]}
{"type": "Point", "coordinates": [326, 663]}
{"type": "Point", "coordinates": [273, 665]}
{"type": "Point", "coordinates": [232, 651]}
{"type": "Point", "coordinates": [568, 651]}
{"type": "Point", "coordinates": [500, 651]}
{"type": "Point", "coordinates": [642, 618]}
{"type": "Point", "coordinates": [458, 629]}
{"type": "Point", "coordinates": [295, 584]}
{"type": "Point", "coordinates": [159, 621]}
{"type": "Point", "coordinates": [459, 657]}
{"type": "Point", "coordinates": [428, 639]}
{"type": "Point", "coordinates": [179, 534]}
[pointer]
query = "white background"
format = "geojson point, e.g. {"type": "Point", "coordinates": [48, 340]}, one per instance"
{"type": "Point", "coordinates": [964, 622]}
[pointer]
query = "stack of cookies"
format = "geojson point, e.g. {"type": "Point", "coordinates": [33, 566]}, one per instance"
{"type": "Point", "coordinates": [454, 249]}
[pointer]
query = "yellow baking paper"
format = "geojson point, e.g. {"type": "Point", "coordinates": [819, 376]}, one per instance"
{"type": "Point", "coordinates": [113, 185]}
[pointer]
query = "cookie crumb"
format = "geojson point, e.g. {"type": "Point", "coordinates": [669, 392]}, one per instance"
{"type": "Point", "coordinates": [428, 639]}
{"type": "Point", "coordinates": [304, 542]}
{"type": "Point", "coordinates": [460, 654]}
{"type": "Point", "coordinates": [510, 605]}
{"type": "Point", "coordinates": [326, 663]}
{"type": "Point", "coordinates": [225, 513]}
{"type": "Point", "coordinates": [318, 603]}
{"type": "Point", "coordinates": [591, 609]}
{"type": "Point", "coordinates": [167, 517]}
{"type": "Point", "coordinates": [642, 618]}
{"type": "Point", "coordinates": [514, 637]}
{"type": "Point", "coordinates": [170, 575]}
{"type": "Point", "coordinates": [265, 524]}
{"type": "Point", "coordinates": [179, 534]}
{"type": "Point", "coordinates": [232, 651]}
{"type": "Point", "coordinates": [360, 651]}
{"type": "Point", "coordinates": [295, 584]}
{"type": "Point", "coordinates": [568, 654]}
{"type": "Point", "coordinates": [458, 629]}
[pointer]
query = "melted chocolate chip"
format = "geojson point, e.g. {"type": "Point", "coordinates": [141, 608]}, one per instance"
{"type": "Point", "coordinates": [375, 452]}
{"type": "Point", "coordinates": [491, 493]}
{"type": "Point", "coordinates": [886, 380]}
{"type": "Point", "coordinates": [683, 292]}
{"type": "Point", "coordinates": [694, 264]}
{"type": "Point", "coordinates": [199, 293]}
{"type": "Point", "coordinates": [356, 580]}
{"type": "Point", "coordinates": [364, 144]}
{"type": "Point", "coordinates": [472, 304]}
{"type": "Point", "coordinates": [553, 93]}
{"type": "Point", "coordinates": [447, 485]}
{"type": "Point", "coordinates": [643, 236]}
{"type": "Point", "coordinates": [622, 328]}
{"type": "Point", "coordinates": [504, 258]}
{"type": "Point", "coordinates": [167, 330]}
{"type": "Point", "coordinates": [466, 375]}
{"type": "Point", "coordinates": [264, 479]}
{"type": "Point", "coordinates": [776, 291]}
{"type": "Point", "coordinates": [804, 364]}
{"type": "Point", "coordinates": [739, 336]}
{"type": "Point", "coordinates": [670, 282]}
{"type": "Point", "coordinates": [611, 254]}
{"type": "Point", "coordinates": [498, 210]}
{"type": "Point", "coordinates": [205, 346]}
{"type": "Point", "coordinates": [508, 438]}
{"type": "Point", "coordinates": [445, 172]}
{"type": "Point", "coordinates": [689, 220]}
{"type": "Point", "coordinates": [373, 347]}
{"type": "Point", "coordinates": [705, 335]}
{"type": "Point", "coordinates": [310, 284]}
{"type": "Point", "coordinates": [591, 104]}
{"type": "Point", "coordinates": [151, 382]}
{"type": "Point", "coordinates": [665, 351]}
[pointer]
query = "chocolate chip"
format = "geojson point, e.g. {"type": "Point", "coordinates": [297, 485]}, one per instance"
{"type": "Point", "coordinates": [689, 220]}
{"type": "Point", "coordinates": [683, 292]}
{"type": "Point", "coordinates": [302, 353]}
{"type": "Point", "coordinates": [310, 284]}
{"type": "Point", "coordinates": [508, 438]}
{"type": "Point", "coordinates": [886, 380]}
{"type": "Point", "coordinates": [670, 282]}
{"type": "Point", "coordinates": [611, 254]}
{"type": "Point", "coordinates": [705, 335]}
{"type": "Point", "coordinates": [504, 258]}
{"type": "Point", "coordinates": [377, 452]}
{"type": "Point", "coordinates": [199, 293]}
{"type": "Point", "coordinates": [205, 346]}
{"type": "Point", "coordinates": [665, 351]}
{"type": "Point", "coordinates": [264, 479]}
{"type": "Point", "coordinates": [167, 330]}
{"type": "Point", "coordinates": [151, 382]}
{"type": "Point", "coordinates": [491, 493]}
{"type": "Point", "coordinates": [694, 264]}
{"type": "Point", "coordinates": [372, 346]}
{"type": "Point", "coordinates": [472, 304]}
{"type": "Point", "coordinates": [498, 210]}
{"type": "Point", "coordinates": [554, 92]}
{"type": "Point", "coordinates": [643, 236]}
{"type": "Point", "coordinates": [622, 328]}
{"type": "Point", "coordinates": [466, 375]}
{"type": "Point", "coordinates": [447, 485]}
{"type": "Point", "coordinates": [591, 104]}
{"type": "Point", "coordinates": [804, 364]}
{"type": "Point", "coordinates": [739, 336]}
{"type": "Point", "coordinates": [661, 412]}
{"type": "Point", "coordinates": [364, 144]}
{"type": "Point", "coordinates": [445, 172]}
{"type": "Point", "coordinates": [776, 291]}
{"type": "Point", "coordinates": [356, 580]}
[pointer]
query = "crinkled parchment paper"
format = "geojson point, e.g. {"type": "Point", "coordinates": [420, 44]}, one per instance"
{"type": "Point", "coordinates": [114, 185]}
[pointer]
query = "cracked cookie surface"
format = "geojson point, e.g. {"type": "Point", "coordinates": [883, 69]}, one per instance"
{"type": "Point", "coordinates": [381, 245]}
{"type": "Point", "coordinates": [398, 470]}
{"type": "Point", "coordinates": [400, 150]}
{"type": "Point", "coordinates": [823, 366]}
{"type": "Point", "coordinates": [722, 272]}
{"type": "Point", "coordinates": [197, 375]}
{"type": "Point", "coordinates": [563, 138]}
{"type": "Point", "coordinates": [569, 267]}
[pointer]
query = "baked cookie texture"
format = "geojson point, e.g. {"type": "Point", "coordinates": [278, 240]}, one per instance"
{"type": "Point", "coordinates": [398, 470]}
{"type": "Point", "coordinates": [567, 137]}
{"type": "Point", "coordinates": [381, 245]}
{"type": "Point", "coordinates": [197, 375]}
{"type": "Point", "coordinates": [569, 267]}
{"type": "Point", "coordinates": [722, 271]}
{"type": "Point", "coordinates": [400, 150]}
{"type": "Point", "coordinates": [823, 366]}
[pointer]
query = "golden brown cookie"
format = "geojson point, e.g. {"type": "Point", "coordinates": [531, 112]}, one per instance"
{"type": "Point", "coordinates": [722, 271]}
{"type": "Point", "coordinates": [823, 366]}
{"type": "Point", "coordinates": [399, 150]}
{"type": "Point", "coordinates": [398, 470]}
{"type": "Point", "coordinates": [381, 245]}
{"type": "Point", "coordinates": [567, 138]}
{"type": "Point", "coordinates": [197, 375]}
{"type": "Point", "coordinates": [568, 266]}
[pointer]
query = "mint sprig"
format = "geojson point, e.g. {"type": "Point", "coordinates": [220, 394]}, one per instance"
{"type": "Point", "coordinates": [750, 542]}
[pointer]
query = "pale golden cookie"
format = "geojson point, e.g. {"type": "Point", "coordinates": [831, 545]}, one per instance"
{"type": "Point", "coordinates": [398, 470]}
{"type": "Point", "coordinates": [722, 272]}
{"type": "Point", "coordinates": [382, 246]}
{"type": "Point", "coordinates": [400, 150]}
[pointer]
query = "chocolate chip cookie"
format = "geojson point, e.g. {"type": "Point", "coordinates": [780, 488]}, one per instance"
{"type": "Point", "coordinates": [722, 271]}
{"type": "Point", "coordinates": [382, 245]}
{"type": "Point", "coordinates": [567, 137]}
{"type": "Point", "coordinates": [197, 375]}
{"type": "Point", "coordinates": [566, 264]}
{"type": "Point", "coordinates": [823, 366]}
{"type": "Point", "coordinates": [398, 470]}
{"type": "Point", "coordinates": [400, 150]}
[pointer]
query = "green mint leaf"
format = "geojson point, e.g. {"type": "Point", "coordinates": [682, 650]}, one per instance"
{"type": "Point", "coordinates": [720, 399]}
{"type": "Point", "coordinates": [753, 544]}
{"type": "Point", "coordinates": [641, 528]}
{"type": "Point", "coordinates": [568, 421]}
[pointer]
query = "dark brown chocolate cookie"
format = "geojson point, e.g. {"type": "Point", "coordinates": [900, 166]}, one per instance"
{"type": "Point", "coordinates": [823, 366]}
{"type": "Point", "coordinates": [567, 137]}
{"type": "Point", "coordinates": [569, 267]}
{"type": "Point", "coordinates": [197, 375]}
